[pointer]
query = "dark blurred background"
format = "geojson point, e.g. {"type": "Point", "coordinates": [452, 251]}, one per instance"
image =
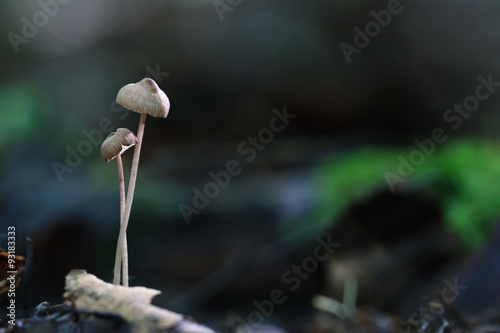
{"type": "Point", "coordinates": [225, 68]}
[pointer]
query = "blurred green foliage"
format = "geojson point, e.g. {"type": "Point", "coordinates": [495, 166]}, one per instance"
{"type": "Point", "coordinates": [23, 107]}
{"type": "Point", "coordinates": [462, 178]}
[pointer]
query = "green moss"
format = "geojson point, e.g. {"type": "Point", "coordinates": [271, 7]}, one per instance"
{"type": "Point", "coordinates": [462, 177]}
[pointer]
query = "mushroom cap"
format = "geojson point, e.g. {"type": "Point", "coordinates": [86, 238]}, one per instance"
{"type": "Point", "coordinates": [144, 97]}
{"type": "Point", "coordinates": [116, 143]}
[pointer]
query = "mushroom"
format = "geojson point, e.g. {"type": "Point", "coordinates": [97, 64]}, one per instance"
{"type": "Point", "coordinates": [117, 143]}
{"type": "Point", "coordinates": [144, 97]}
{"type": "Point", "coordinates": [113, 146]}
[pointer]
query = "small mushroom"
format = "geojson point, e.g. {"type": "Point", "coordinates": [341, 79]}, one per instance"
{"type": "Point", "coordinates": [144, 97]}
{"type": "Point", "coordinates": [117, 143]}
{"type": "Point", "coordinates": [113, 146]}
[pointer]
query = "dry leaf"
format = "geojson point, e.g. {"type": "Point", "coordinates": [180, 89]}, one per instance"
{"type": "Point", "coordinates": [89, 293]}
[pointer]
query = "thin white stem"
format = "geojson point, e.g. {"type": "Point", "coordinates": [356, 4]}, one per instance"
{"type": "Point", "coordinates": [128, 204]}
{"type": "Point", "coordinates": [121, 179]}
{"type": "Point", "coordinates": [122, 213]}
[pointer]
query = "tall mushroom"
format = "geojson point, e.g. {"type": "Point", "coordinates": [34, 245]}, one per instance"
{"type": "Point", "coordinates": [113, 146]}
{"type": "Point", "coordinates": [144, 97]}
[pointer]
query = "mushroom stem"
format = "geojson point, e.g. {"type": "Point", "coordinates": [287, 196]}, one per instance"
{"type": "Point", "coordinates": [121, 248]}
{"type": "Point", "coordinates": [121, 178]}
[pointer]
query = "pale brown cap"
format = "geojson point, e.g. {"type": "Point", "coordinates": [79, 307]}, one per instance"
{"type": "Point", "coordinates": [116, 143]}
{"type": "Point", "coordinates": [144, 97]}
